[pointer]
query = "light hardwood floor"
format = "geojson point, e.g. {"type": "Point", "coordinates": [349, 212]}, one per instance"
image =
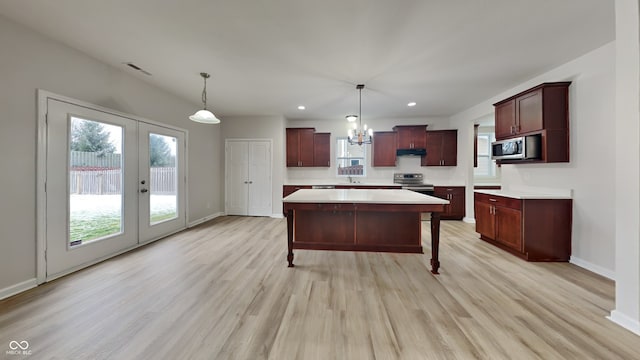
{"type": "Point", "coordinates": [222, 290]}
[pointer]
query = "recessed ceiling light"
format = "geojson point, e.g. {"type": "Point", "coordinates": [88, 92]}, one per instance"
{"type": "Point", "coordinates": [413, 103]}
{"type": "Point", "coordinates": [301, 107]}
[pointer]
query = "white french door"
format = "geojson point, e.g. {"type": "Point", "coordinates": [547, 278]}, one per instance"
{"type": "Point", "coordinates": [248, 177]}
{"type": "Point", "coordinates": [161, 181]}
{"type": "Point", "coordinates": [112, 183]}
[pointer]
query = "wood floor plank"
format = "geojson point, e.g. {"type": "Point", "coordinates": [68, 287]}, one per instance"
{"type": "Point", "coordinates": [222, 290]}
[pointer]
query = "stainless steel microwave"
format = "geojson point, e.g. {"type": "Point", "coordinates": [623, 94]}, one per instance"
{"type": "Point", "coordinates": [521, 148]}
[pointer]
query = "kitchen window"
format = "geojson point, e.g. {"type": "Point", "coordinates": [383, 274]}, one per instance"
{"type": "Point", "coordinates": [350, 159]}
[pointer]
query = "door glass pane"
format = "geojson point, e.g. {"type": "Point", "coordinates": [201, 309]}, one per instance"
{"type": "Point", "coordinates": [95, 181]}
{"type": "Point", "coordinates": [163, 176]}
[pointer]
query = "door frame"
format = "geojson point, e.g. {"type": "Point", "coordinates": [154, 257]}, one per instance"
{"type": "Point", "coordinates": [226, 170]}
{"type": "Point", "coordinates": [41, 175]}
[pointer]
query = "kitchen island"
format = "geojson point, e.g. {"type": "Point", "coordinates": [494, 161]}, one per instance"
{"type": "Point", "coordinates": [361, 220]}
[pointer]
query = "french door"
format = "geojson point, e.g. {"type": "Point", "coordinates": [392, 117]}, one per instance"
{"type": "Point", "coordinates": [112, 183]}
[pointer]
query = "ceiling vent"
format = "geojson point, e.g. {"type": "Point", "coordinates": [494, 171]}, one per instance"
{"type": "Point", "coordinates": [138, 68]}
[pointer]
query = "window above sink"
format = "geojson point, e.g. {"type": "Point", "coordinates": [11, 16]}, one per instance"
{"type": "Point", "coordinates": [350, 159]}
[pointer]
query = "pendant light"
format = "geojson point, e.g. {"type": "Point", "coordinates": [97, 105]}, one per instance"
{"type": "Point", "coordinates": [359, 134]}
{"type": "Point", "coordinates": [204, 116]}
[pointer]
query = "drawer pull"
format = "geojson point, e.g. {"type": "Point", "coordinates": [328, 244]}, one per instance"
{"type": "Point", "coordinates": [494, 200]}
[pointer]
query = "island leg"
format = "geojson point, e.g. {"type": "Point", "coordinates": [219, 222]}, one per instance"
{"type": "Point", "coordinates": [290, 237]}
{"type": "Point", "coordinates": [435, 241]}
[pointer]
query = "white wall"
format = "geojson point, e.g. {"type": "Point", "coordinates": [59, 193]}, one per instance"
{"type": "Point", "coordinates": [262, 127]}
{"type": "Point", "coordinates": [627, 162]}
{"type": "Point", "coordinates": [590, 173]}
{"type": "Point", "coordinates": [30, 61]}
{"type": "Point", "coordinates": [338, 128]}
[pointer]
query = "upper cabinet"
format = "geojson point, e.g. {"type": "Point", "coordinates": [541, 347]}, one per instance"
{"type": "Point", "coordinates": [411, 136]}
{"type": "Point", "coordinates": [384, 148]}
{"type": "Point", "coordinates": [302, 149]}
{"type": "Point", "coordinates": [322, 149]}
{"type": "Point", "coordinates": [442, 148]}
{"type": "Point", "coordinates": [543, 110]}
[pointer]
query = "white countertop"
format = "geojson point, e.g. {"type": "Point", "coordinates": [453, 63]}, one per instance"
{"type": "Point", "coordinates": [366, 196]}
{"type": "Point", "coordinates": [340, 183]}
{"type": "Point", "coordinates": [528, 194]}
{"type": "Point", "coordinates": [364, 183]}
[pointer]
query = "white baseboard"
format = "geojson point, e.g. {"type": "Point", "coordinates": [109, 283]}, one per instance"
{"type": "Point", "coordinates": [625, 321]}
{"type": "Point", "coordinates": [610, 274]}
{"type": "Point", "coordinates": [277, 216]}
{"type": "Point", "coordinates": [204, 219]}
{"type": "Point", "coordinates": [469, 220]}
{"type": "Point", "coordinates": [18, 288]}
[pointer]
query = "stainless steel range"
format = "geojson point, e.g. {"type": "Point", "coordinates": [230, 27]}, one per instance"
{"type": "Point", "coordinates": [413, 182]}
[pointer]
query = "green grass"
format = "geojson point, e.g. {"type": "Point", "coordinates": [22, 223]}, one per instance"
{"type": "Point", "coordinates": [157, 217]}
{"type": "Point", "coordinates": [92, 228]}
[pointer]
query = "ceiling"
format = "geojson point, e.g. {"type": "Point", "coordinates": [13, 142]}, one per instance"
{"type": "Point", "coordinates": [266, 57]}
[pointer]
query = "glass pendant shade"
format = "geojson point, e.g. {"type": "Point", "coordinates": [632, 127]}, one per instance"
{"type": "Point", "coordinates": [204, 116]}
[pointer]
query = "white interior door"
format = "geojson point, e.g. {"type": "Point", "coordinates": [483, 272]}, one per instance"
{"type": "Point", "coordinates": [259, 178]}
{"type": "Point", "coordinates": [161, 182]}
{"type": "Point", "coordinates": [91, 175]}
{"type": "Point", "coordinates": [248, 177]}
{"type": "Point", "coordinates": [237, 177]}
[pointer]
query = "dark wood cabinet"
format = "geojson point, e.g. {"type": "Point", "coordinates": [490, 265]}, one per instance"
{"type": "Point", "coordinates": [534, 229]}
{"type": "Point", "coordinates": [485, 222]}
{"type": "Point", "coordinates": [302, 149]}
{"type": "Point", "coordinates": [456, 196]}
{"type": "Point", "coordinates": [442, 148]}
{"type": "Point", "coordinates": [505, 118]}
{"type": "Point", "coordinates": [322, 149]}
{"type": "Point", "coordinates": [411, 136]}
{"type": "Point", "coordinates": [384, 148]}
{"type": "Point", "coordinates": [542, 110]}
{"type": "Point", "coordinates": [290, 189]}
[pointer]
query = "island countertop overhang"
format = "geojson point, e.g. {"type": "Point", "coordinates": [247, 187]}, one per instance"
{"type": "Point", "coordinates": [363, 196]}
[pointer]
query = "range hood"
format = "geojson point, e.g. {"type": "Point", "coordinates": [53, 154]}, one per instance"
{"type": "Point", "coordinates": [411, 152]}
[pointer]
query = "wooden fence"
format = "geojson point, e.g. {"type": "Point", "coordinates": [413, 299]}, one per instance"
{"type": "Point", "coordinates": [86, 159]}
{"type": "Point", "coordinates": [109, 181]}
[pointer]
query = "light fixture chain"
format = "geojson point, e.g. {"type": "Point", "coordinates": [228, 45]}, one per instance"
{"type": "Point", "coordinates": [204, 92]}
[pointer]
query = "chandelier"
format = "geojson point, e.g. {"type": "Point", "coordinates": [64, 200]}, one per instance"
{"type": "Point", "coordinates": [204, 116]}
{"type": "Point", "coordinates": [359, 134]}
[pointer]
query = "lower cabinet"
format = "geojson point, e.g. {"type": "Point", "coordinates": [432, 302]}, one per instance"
{"type": "Point", "coordinates": [534, 229]}
{"type": "Point", "coordinates": [455, 194]}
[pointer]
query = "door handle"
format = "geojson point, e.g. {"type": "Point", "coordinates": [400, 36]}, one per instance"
{"type": "Point", "coordinates": [144, 190]}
